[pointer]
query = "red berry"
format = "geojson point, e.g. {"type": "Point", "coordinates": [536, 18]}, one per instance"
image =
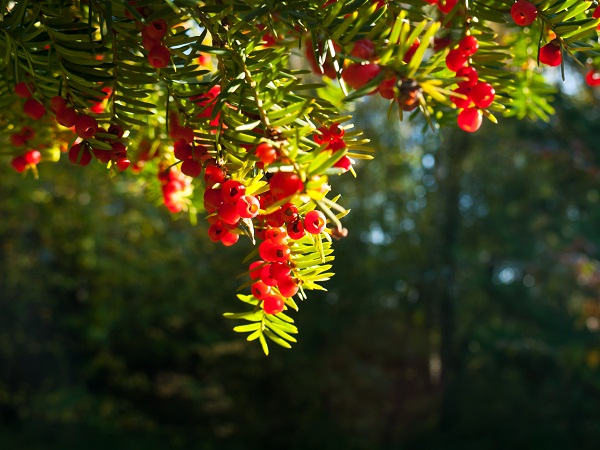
{"type": "Point", "coordinates": [119, 150]}
{"type": "Point", "coordinates": [461, 102]}
{"type": "Point", "coordinates": [411, 51]}
{"type": "Point", "coordinates": [344, 163]}
{"type": "Point", "coordinates": [123, 164]}
{"type": "Point", "coordinates": [66, 117]}
{"type": "Point", "coordinates": [267, 277]}
{"type": "Point", "coordinates": [213, 175]}
{"type": "Point", "coordinates": [266, 153]}
{"type": "Point", "coordinates": [288, 287]}
{"type": "Point", "coordinates": [80, 155]}
{"type": "Point", "coordinates": [322, 135]}
{"type": "Point", "coordinates": [260, 289]}
{"type": "Point", "coordinates": [314, 221]}
{"type": "Point", "coordinates": [280, 270]}
{"type": "Point", "coordinates": [469, 119]}
{"type": "Point", "coordinates": [273, 304]}
{"type": "Point", "coordinates": [363, 49]}
{"type": "Point", "coordinates": [596, 15]}
{"type": "Point", "coordinates": [23, 89]}
{"type": "Point", "coordinates": [386, 88]}
{"type": "Point", "coordinates": [336, 131]}
{"type": "Point", "coordinates": [33, 157]}
{"type": "Point", "coordinates": [592, 78]}
{"type": "Point", "coordinates": [57, 103]}
{"type": "Point", "coordinates": [276, 235]}
{"type": "Point", "coordinates": [550, 54]}
{"type": "Point", "coordinates": [86, 126]}
{"type": "Point", "coordinates": [115, 130]}
{"type": "Point", "coordinates": [446, 6]}
{"type": "Point", "coordinates": [157, 29]}
{"type": "Point", "coordinates": [295, 229]}
{"type": "Point", "coordinates": [470, 73]}
{"type": "Point", "coordinates": [227, 213]}
{"type": "Point", "coordinates": [182, 150]}
{"type": "Point", "coordinates": [523, 13]}
{"type": "Point", "coordinates": [229, 238]}
{"type": "Point", "coordinates": [456, 59]}
{"type": "Point", "coordinates": [247, 206]}
{"type": "Point", "coordinates": [19, 163]}
{"type": "Point", "coordinates": [285, 184]}
{"type": "Point", "coordinates": [255, 268]}
{"type": "Point", "coordinates": [289, 212]}
{"type": "Point", "coordinates": [159, 56]}
{"type": "Point", "coordinates": [482, 94]}
{"type": "Point", "coordinates": [34, 109]}
{"type": "Point", "coordinates": [191, 168]}
{"type": "Point", "coordinates": [468, 45]}
{"type": "Point", "coordinates": [212, 199]}
{"type": "Point", "coordinates": [232, 190]}
{"type": "Point", "coordinates": [101, 155]}
{"type": "Point", "coordinates": [358, 75]}
{"type": "Point", "coordinates": [216, 231]}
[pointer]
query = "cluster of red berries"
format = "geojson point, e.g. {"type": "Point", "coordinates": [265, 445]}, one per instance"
{"type": "Point", "coordinates": [27, 159]}
{"type": "Point", "coordinates": [175, 188]}
{"type": "Point", "coordinates": [332, 136]}
{"type": "Point", "coordinates": [153, 34]}
{"type": "Point", "coordinates": [474, 95]}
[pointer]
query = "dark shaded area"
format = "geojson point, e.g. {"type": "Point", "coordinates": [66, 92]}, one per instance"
{"type": "Point", "coordinates": [464, 313]}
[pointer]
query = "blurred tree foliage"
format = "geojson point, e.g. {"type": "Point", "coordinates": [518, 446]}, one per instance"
{"type": "Point", "coordinates": [465, 314]}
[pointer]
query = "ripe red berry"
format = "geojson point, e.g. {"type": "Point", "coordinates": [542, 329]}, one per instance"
{"type": "Point", "coordinates": [523, 13]}
{"type": "Point", "coordinates": [358, 75]}
{"type": "Point", "coordinates": [115, 130]}
{"type": "Point", "coordinates": [469, 119]}
{"type": "Point", "coordinates": [550, 54]}
{"type": "Point", "coordinates": [260, 289]}
{"type": "Point", "coordinates": [363, 49]}
{"type": "Point", "coordinates": [247, 206]}
{"type": "Point", "coordinates": [66, 117]}
{"type": "Point", "coordinates": [285, 184]}
{"type": "Point", "coordinates": [159, 56]}
{"type": "Point", "coordinates": [273, 304]}
{"type": "Point", "coordinates": [280, 270]}
{"type": "Point", "coordinates": [344, 163]}
{"type": "Point", "coordinates": [157, 29]}
{"type": "Point", "coordinates": [470, 73]}
{"type": "Point", "coordinates": [289, 212]}
{"type": "Point", "coordinates": [266, 153]}
{"type": "Point", "coordinates": [212, 199]}
{"type": "Point", "coordinates": [23, 89]}
{"type": "Point", "coordinates": [33, 157]}
{"type": "Point", "coordinates": [232, 190]}
{"type": "Point", "coordinates": [456, 59]}
{"type": "Point", "coordinates": [19, 163]}
{"type": "Point", "coordinates": [288, 287]}
{"type": "Point", "coordinates": [314, 221]}
{"type": "Point", "coordinates": [295, 229]}
{"type": "Point", "coordinates": [446, 6]}
{"type": "Point", "coordinates": [227, 213]}
{"type": "Point", "coordinates": [122, 164]}
{"type": "Point", "coordinates": [483, 94]}
{"type": "Point", "coordinates": [386, 88]}
{"type": "Point", "coordinates": [57, 103]}
{"type": "Point", "coordinates": [592, 78]}
{"type": "Point", "coordinates": [191, 168]}
{"type": "Point", "coordinates": [267, 277]}
{"type": "Point", "coordinates": [86, 126]}
{"type": "Point", "coordinates": [461, 102]}
{"type": "Point", "coordinates": [336, 131]}
{"type": "Point", "coordinates": [275, 235]}
{"type": "Point", "coordinates": [596, 15]}
{"type": "Point", "coordinates": [34, 109]}
{"type": "Point", "coordinates": [255, 268]}
{"type": "Point", "coordinates": [411, 51]}
{"type": "Point", "coordinates": [468, 45]}
{"type": "Point", "coordinates": [118, 150]}
{"type": "Point", "coordinates": [80, 155]}
{"type": "Point", "coordinates": [182, 150]}
{"type": "Point", "coordinates": [322, 135]}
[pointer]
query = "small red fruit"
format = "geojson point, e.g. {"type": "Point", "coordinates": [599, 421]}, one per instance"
{"type": "Point", "coordinates": [273, 304]}
{"type": "Point", "coordinates": [23, 89]}
{"type": "Point", "coordinates": [191, 168]}
{"type": "Point", "coordinates": [358, 75]}
{"type": "Point", "coordinates": [19, 163]}
{"type": "Point", "coordinates": [461, 102]}
{"type": "Point", "coordinates": [483, 94]}
{"type": "Point", "coordinates": [66, 117]}
{"type": "Point", "coordinates": [157, 29]}
{"type": "Point", "coordinates": [260, 289]}
{"type": "Point", "coordinates": [446, 6]}
{"type": "Point", "coordinates": [34, 109]}
{"type": "Point", "coordinates": [456, 59]}
{"type": "Point", "coordinates": [285, 184]}
{"type": "Point", "coordinates": [592, 78]}
{"type": "Point", "coordinates": [288, 287]}
{"type": "Point", "coordinates": [470, 73]}
{"type": "Point", "coordinates": [468, 45]}
{"type": "Point", "coordinates": [266, 153]}
{"type": "Point", "coordinates": [363, 49]}
{"type": "Point", "coordinates": [159, 56]}
{"type": "Point", "coordinates": [80, 155]}
{"type": "Point", "coordinates": [232, 190]}
{"type": "Point", "coordinates": [247, 206]}
{"type": "Point", "coordinates": [314, 221]}
{"type": "Point", "coordinates": [33, 157]}
{"type": "Point", "coordinates": [57, 103]}
{"type": "Point", "coordinates": [523, 13]}
{"type": "Point", "coordinates": [469, 119]}
{"type": "Point", "coordinates": [550, 54]}
{"type": "Point", "coordinates": [122, 164]}
{"type": "Point", "coordinates": [86, 126]}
